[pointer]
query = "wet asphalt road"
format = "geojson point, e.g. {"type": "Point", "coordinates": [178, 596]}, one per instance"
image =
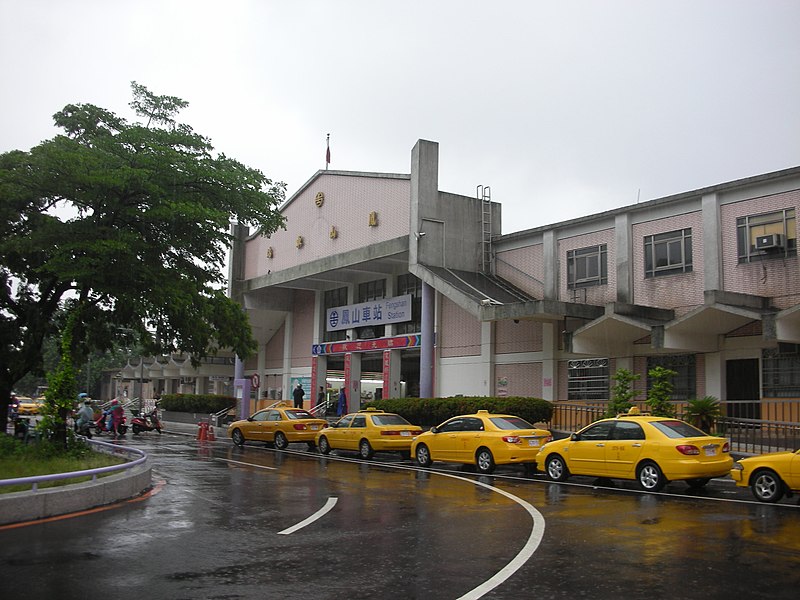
{"type": "Point", "coordinates": [223, 522]}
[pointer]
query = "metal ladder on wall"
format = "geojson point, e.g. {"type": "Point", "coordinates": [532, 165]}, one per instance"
{"type": "Point", "coordinates": [484, 194]}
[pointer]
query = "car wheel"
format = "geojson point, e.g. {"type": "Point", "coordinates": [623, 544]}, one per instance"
{"type": "Point", "coordinates": [650, 477]}
{"type": "Point", "coordinates": [281, 443]}
{"type": "Point", "coordinates": [324, 446]}
{"type": "Point", "coordinates": [237, 437]}
{"type": "Point", "coordinates": [556, 468]}
{"type": "Point", "coordinates": [698, 483]}
{"type": "Point", "coordinates": [423, 455]}
{"type": "Point", "coordinates": [136, 429]}
{"type": "Point", "coordinates": [365, 450]}
{"type": "Point", "coordinates": [484, 461]}
{"type": "Point", "coordinates": [766, 486]}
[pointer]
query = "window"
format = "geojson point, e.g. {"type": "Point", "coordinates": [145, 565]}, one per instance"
{"type": "Point", "coordinates": [273, 415]}
{"type": "Point", "coordinates": [410, 284]}
{"type": "Point", "coordinates": [684, 384]}
{"type": "Point", "coordinates": [452, 425]}
{"type": "Point", "coordinates": [751, 232]}
{"type": "Point", "coordinates": [780, 371]}
{"type": "Point", "coordinates": [260, 416]}
{"type": "Point", "coordinates": [587, 379]}
{"type": "Point", "coordinates": [334, 298]}
{"type": "Point", "coordinates": [371, 290]}
{"type": "Point", "coordinates": [668, 253]}
{"type": "Point", "coordinates": [677, 429]}
{"type": "Point", "coordinates": [587, 267]}
{"type": "Point", "coordinates": [359, 421]}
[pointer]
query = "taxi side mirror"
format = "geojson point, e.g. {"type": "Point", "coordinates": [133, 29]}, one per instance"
{"type": "Point", "coordinates": [434, 430]}
{"type": "Point", "coordinates": [574, 437]}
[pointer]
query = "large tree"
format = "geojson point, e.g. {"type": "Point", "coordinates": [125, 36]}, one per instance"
{"type": "Point", "coordinates": [126, 224]}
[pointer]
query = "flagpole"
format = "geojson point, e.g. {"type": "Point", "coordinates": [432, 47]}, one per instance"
{"type": "Point", "coordinates": [328, 153]}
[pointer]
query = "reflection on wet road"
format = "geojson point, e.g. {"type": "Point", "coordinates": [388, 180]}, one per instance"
{"type": "Point", "coordinates": [214, 530]}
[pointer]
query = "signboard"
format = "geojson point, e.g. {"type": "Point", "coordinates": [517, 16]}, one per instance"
{"type": "Point", "coordinates": [376, 312]}
{"type": "Point", "coordinates": [402, 341]}
{"type": "Point", "coordinates": [255, 381]}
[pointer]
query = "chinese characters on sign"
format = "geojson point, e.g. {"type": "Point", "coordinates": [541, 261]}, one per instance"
{"type": "Point", "coordinates": [375, 312]}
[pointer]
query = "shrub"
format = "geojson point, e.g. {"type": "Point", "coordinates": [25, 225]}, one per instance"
{"type": "Point", "coordinates": [622, 393]}
{"type": "Point", "coordinates": [428, 412]}
{"type": "Point", "coordinates": [702, 412]}
{"type": "Point", "coordinates": [658, 399]}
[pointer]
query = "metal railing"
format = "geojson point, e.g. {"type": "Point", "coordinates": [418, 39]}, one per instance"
{"type": "Point", "coordinates": [93, 473]}
{"type": "Point", "coordinates": [753, 426]}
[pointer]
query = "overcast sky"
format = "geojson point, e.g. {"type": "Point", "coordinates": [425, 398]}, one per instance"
{"type": "Point", "coordinates": [564, 108]}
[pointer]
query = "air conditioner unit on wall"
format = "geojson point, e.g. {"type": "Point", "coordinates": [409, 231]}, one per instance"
{"type": "Point", "coordinates": [766, 242]}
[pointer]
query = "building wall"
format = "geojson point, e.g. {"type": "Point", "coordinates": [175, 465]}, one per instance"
{"type": "Point", "coordinates": [524, 336]}
{"type": "Point", "coordinates": [523, 267]}
{"type": "Point", "coordinates": [459, 333]}
{"type": "Point", "coordinates": [461, 376]}
{"type": "Point", "coordinates": [523, 379]}
{"type": "Point", "coordinates": [681, 292]}
{"type": "Point", "coordinates": [348, 202]}
{"type": "Point", "coordinates": [274, 350]}
{"type": "Point", "coordinates": [775, 278]}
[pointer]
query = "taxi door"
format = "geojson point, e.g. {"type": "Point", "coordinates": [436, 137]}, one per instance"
{"type": "Point", "coordinates": [357, 430]}
{"type": "Point", "coordinates": [624, 448]}
{"type": "Point", "coordinates": [446, 443]}
{"type": "Point", "coordinates": [586, 455]}
{"type": "Point", "coordinates": [255, 428]}
{"type": "Point", "coordinates": [471, 438]}
{"type": "Point", "coordinates": [794, 472]}
{"type": "Point", "coordinates": [271, 425]}
{"type": "Point", "coordinates": [338, 432]}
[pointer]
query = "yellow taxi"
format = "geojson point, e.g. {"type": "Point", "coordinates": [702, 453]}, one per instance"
{"type": "Point", "coordinates": [770, 476]}
{"type": "Point", "coordinates": [483, 439]}
{"type": "Point", "coordinates": [28, 406]}
{"type": "Point", "coordinates": [651, 450]}
{"type": "Point", "coordinates": [369, 431]}
{"type": "Point", "coordinates": [280, 425]}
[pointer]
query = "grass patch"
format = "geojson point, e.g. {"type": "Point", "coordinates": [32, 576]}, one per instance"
{"type": "Point", "coordinates": [44, 458]}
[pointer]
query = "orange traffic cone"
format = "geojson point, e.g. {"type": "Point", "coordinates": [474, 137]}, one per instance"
{"type": "Point", "coordinates": [211, 437]}
{"type": "Point", "coordinates": [201, 432]}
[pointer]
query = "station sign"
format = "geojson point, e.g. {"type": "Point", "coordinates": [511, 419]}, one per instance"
{"type": "Point", "coordinates": [384, 311]}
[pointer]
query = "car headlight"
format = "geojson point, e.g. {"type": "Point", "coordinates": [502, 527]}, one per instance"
{"type": "Point", "coordinates": [737, 466]}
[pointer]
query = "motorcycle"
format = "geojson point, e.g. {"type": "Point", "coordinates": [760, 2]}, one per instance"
{"type": "Point", "coordinates": [101, 425]}
{"type": "Point", "coordinates": [146, 422]}
{"type": "Point", "coordinates": [84, 429]}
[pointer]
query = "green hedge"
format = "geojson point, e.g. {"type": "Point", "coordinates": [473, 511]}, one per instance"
{"type": "Point", "coordinates": [196, 403]}
{"type": "Point", "coordinates": [428, 412]}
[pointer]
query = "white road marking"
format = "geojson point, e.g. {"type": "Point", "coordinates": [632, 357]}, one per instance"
{"type": "Point", "coordinates": [320, 513]}
{"type": "Point", "coordinates": [238, 462]}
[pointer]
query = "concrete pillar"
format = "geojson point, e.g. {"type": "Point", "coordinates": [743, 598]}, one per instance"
{"type": "Point", "coordinates": [426, 351]}
{"type": "Point", "coordinates": [550, 259]}
{"type": "Point", "coordinates": [319, 376]}
{"type": "Point", "coordinates": [715, 376]}
{"type": "Point", "coordinates": [487, 358]}
{"type": "Point", "coordinates": [712, 248]}
{"type": "Point", "coordinates": [352, 380]}
{"type": "Point", "coordinates": [392, 360]}
{"type": "Point", "coordinates": [288, 334]}
{"type": "Point", "coordinates": [624, 260]}
{"type": "Point", "coordinates": [551, 333]}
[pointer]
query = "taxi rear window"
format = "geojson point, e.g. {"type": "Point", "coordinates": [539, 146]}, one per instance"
{"type": "Point", "coordinates": [677, 429]}
{"type": "Point", "coordinates": [389, 420]}
{"type": "Point", "coordinates": [511, 423]}
{"type": "Point", "coordinates": [299, 414]}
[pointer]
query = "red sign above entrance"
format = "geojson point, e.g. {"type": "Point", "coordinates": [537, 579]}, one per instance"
{"type": "Point", "coordinates": [402, 341]}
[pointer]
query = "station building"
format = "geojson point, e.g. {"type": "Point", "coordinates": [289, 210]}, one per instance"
{"type": "Point", "coordinates": [386, 286]}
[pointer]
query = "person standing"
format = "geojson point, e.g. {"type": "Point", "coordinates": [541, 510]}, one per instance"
{"type": "Point", "coordinates": [341, 408]}
{"type": "Point", "coordinates": [298, 394]}
{"type": "Point", "coordinates": [321, 397]}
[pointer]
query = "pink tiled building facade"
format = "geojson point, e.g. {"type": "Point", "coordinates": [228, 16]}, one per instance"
{"type": "Point", "coordinates": [383, 285]}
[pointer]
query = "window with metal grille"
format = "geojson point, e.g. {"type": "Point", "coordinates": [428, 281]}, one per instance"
{"type": "Point", "coordinates": [587, 379]}
{"type": "Point", "coordinates": [668, 253]}
{"type": "Point", "coordinates": [587, 267]}
{"type": "Point", "coordinates": [332, 299]}
{"type": "Point", "coordinates": [768, 235]}
{"type": "Point", "coordinates": [371, 290]}
{"type": "Point", "coordinates": [780, 371]}
{"type": "Point", "coordinates": [684, 384]}
{"type": "Point", "coordinates": [410, 284]}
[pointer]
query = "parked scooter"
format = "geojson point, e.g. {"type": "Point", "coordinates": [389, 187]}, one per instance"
{"type": "Point", "coordinates": [146, 422]}
{"type": "Point", "coordinates": [101, 425]}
